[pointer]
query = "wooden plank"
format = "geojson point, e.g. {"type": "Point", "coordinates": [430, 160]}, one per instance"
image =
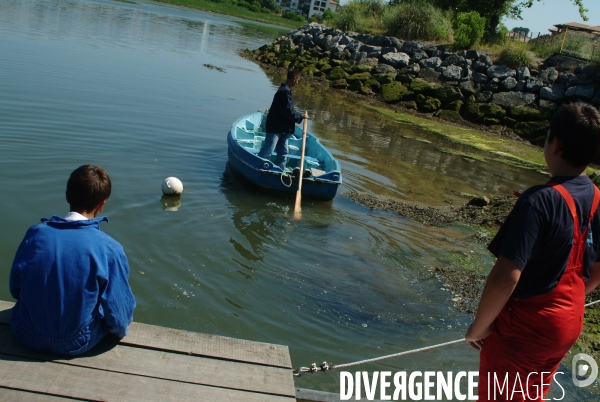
{"type": "Point", "coordinates": [7, 394]}
{"type": "Point", "coordinates": [110, 356]}
{"type": "Point", "coordinates": [221, 347]}
{"type": "Point", "coordinates": [84, 383]}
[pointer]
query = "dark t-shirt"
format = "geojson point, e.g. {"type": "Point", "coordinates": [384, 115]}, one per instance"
{"type": "Point", "coordinates": [538, 233]}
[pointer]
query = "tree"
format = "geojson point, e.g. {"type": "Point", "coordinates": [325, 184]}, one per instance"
{"type": "Point", "coordinates": [468, 29]}
{"type": "Point", "coordinates": [494, 10]}
{"type": "Point", "coordinates": [521, 31]}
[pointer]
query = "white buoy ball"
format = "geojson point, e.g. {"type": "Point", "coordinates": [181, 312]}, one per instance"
{"type": "Point", "coordinates": [172, 186]}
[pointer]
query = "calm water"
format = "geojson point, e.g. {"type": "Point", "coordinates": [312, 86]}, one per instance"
{"type": "Point", "coordinates": [124, 86]}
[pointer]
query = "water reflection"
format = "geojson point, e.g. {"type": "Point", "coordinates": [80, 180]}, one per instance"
{"type": "Point", "coordinates": [182, 29]}
{"type": "Point", "coordinates": [260, 217]}
{"type": "Point", "coordinates": [170, 203]}
{"type": "Point", "coordinates": [385, 157]}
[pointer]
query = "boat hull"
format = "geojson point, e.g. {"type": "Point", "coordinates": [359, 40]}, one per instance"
{"type": "Point", "coordinates": [262, 173]}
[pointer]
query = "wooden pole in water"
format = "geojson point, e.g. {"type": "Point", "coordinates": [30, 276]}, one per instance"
{"type": "Point", "coordinates": [297, 208]}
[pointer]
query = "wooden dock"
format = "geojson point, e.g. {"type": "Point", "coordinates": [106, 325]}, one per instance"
{"type": "Point", "coordinates": [151, 363]}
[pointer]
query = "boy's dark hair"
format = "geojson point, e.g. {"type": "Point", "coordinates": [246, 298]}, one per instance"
{"type": "Point", "coordinates": [577, 125]}
{"type": "Point", "coordinates": [87, 187]}
{"type": "Point", "coordinates": [293, 73]}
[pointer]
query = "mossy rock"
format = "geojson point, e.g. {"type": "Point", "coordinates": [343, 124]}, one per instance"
{"type": "Point", "coordinates": [508, 122]}
{"type": "Point", "coordinates": [447, 94]}
{"type": "Point", "coordinates": [366, 90]}
{"type": "Point", "coordinates": [472, 113]}
{"type": "Point", "coordinates": [337, 73]}
{"type": "Point", "coordinates": [283, 63]}
{"type": "Point", "coordinates": [404, 78]}
{"type": "Point", "coordinates": [361, 68]}
{"type": "Point", "coordinates": [325, 69]}
{"type": "Point", "coordinates": [490, 121]}
{"type": "Point", "coordinates": [340, 84]}
{"type": "Point", "coordinates": [355, 86]}
{"type": "Point", "coordinates": [394, 92]}
{"type": "Point", "coordinates": [373, 84]}
{"type": "Point", "coordinates": [335, 62]}
{"type": "Point", "coordinates": [384, 78]}
{"type": "Point", "coordinates": [471, 99]}
{"type": "Point", "coordinates": [492, 110]}
{"type": "Point", "coordinates": [450, 115]}
{"type": "Point", "coordinates": [310, 70]}
{"type": "Point", "coordinates": [525, 113]}
{"type": "Point", "coordinates": [454, 106]}
{"type": "Point", "coordinates": [428, 104]}
{"type": "Point", "coordinates": [419, 85]}
{"type": "Point", "coordinates": [531, 129]}
{"type": "Point", "coordinates": [322, 63]}
{"type": "Point", "coordinates": [409, 104]}
{"type": "Point", "coordinates": [358, 77]}
{"type": "Point", "coordinates": [347, 67]}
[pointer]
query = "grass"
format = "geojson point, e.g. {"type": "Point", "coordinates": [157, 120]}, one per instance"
{"type": "Point", "coordinates": [235, 11]}
{"type": "Point", "coordinates": [516, 54]}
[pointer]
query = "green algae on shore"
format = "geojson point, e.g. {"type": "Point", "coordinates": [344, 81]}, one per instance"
{"type": "Point", "coordinates": [494, 147]}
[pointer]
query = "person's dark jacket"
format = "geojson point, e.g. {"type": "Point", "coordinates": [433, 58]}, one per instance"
{"type": "Point", "coordinates": [282, 116]}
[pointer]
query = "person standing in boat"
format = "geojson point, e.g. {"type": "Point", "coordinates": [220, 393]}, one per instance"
{"type": "Point", "coordinates": [281, 121]}
{"type": "Point", "coordinates": [69, 278]}
{"type": "Point", "coordinates": [531, 310]}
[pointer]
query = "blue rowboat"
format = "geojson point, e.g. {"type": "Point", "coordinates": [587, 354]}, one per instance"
{"type": "Point", "coordinates": [247, 136]}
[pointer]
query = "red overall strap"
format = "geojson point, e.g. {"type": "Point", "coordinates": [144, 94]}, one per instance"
{"type": "Point", "coordinates": [577, 235]}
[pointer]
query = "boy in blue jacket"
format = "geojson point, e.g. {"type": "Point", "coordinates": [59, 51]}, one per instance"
{"type": "Point", "coordinates": [70, 279]}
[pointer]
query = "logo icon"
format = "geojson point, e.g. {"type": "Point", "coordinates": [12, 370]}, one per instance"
{"type": "Point", "coordinates": [584, 365]}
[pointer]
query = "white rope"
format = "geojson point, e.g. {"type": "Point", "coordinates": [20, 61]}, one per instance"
{"type": "Point", "coordinates": [399, 354]}
{"type": "Point", "coordinates": [283, 174]}
{"type": "Point", "coordinates": [592, 303]}
{"type": "Point", "coordinates": [325, 366]}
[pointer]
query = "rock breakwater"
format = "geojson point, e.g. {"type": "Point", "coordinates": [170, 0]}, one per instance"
{"type": "Point", "coordinates": [464, 86]}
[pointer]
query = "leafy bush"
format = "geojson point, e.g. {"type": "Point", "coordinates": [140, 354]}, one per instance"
{"type": "Point", "coordinates": [244, 4]}
{"type": "Point", "coordinates": [414, 19]}
{"type": "Point", "coordinates": [468, 29]}
{"type": "Point", "coordinates": [254, 8]}
{"type": "Point", "coordinates": [271, 5]}
{"type": "Point", "coordinates": [328, 15]}
{"type": "Point", "coordinates": [265, 10]}
{"type": "Point", "coordinates": [516, 54]}
{"type": "Point", "coordinates": [350, 17]}
{"type": "Point", "coordinates": [290, 15]}
{"type": "Point", "coordinates": [499, 37]}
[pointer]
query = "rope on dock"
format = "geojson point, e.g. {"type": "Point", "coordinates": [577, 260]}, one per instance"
{"type": "Point", "coordinates": [299, 372]}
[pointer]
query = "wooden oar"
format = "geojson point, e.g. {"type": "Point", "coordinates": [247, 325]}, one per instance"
{"type": "Point", "coordinates": [297, 208]}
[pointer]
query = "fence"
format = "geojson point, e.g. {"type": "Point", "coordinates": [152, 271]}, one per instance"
{"type": "Point", "coordinates": [572, 43]}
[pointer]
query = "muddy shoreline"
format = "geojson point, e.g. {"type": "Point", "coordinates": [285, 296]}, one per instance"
{"type": "Point", "coordinates": [465, 285]}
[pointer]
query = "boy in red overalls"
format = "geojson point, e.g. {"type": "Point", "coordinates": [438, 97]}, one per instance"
{"type": "Point", "coordinates": [531, 308]}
